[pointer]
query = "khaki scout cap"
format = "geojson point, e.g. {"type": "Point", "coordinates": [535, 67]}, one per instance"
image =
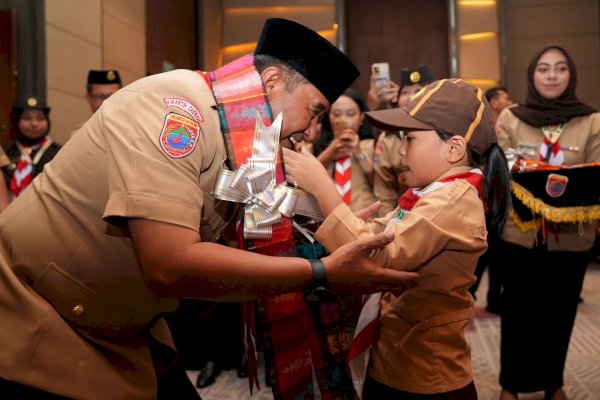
{"type": "Point", "coordinates": [451, 106]}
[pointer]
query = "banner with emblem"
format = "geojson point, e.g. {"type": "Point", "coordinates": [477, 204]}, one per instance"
{"type": "Point", "coordinates": [558, 194]}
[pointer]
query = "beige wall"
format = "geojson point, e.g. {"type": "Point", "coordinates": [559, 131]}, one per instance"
{"type": "Point", "coordinates": [573, 24]}
{"type": "Point", "coordinates": [84, 35]}
{"type": "Point", "coordinates": [242, 22]}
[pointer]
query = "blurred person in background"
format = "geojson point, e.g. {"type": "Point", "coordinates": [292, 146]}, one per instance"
{"type": "Point", "coordinates": [32, 147]}
{"type": "Point", "coordinates": [101, 84]}
{"type": "Point", "coordinates": [4, 196]}
{"type": "Point", "coordinates": [345, 148]}
{"type": "Point", "coordinates": [388, 183]}
{"type": "Point", "coordinates": [499, 99]}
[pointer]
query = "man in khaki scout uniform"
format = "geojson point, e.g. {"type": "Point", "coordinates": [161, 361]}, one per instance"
{"type": "Point", "coordinates": [110, 238]}
{"type": "Point", "coordinates": [387, 177]}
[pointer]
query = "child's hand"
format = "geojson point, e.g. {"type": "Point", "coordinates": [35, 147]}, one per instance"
{"type": "Point", "coordinates": [304, 170]}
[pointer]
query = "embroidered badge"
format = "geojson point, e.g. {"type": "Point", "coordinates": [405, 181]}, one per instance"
{"type": "Point", "coordinates": [556, 185]}
{"type": "Point", "coordinates": [179, 135]}
{"type": "Point", "coordinates": [415, 76]}
{"type": "Point", "coordinates": [185, 106]}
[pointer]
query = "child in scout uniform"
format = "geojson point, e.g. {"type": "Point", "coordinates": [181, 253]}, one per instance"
{"type": "Point", "coordinates": [460, 187]}
{"type": "Point", "coordinates": [387, 172]}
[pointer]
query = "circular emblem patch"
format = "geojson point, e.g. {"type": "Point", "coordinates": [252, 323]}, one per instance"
{"type": "Point", "coordinates": [31, 102]}
{"type": "Point", "coordinates": [415, 76]}
{"type": "Point", "coordinates": [111, 76]}
{"type": "Point", "coordinates": [179, 135]}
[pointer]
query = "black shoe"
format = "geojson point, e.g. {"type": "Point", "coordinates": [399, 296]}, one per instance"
{"type": "Point", "coordinates": [207, 375]}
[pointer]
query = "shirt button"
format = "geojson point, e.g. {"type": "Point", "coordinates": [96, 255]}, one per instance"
{"type": "Point", "coordinates": [77, 310]}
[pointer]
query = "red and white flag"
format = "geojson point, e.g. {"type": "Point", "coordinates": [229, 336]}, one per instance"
{"type": "Point", "coordinates": [365, 335]}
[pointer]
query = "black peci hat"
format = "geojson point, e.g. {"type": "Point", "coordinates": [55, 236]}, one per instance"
{"type": "Point", "coordinates": [103, 77]}
{"type": "Point", "coordinates": [30, 102]}
{"type": "Point", "coordinates": [423, 74]}
{"type": "Point", "coordinates": [310, 54]}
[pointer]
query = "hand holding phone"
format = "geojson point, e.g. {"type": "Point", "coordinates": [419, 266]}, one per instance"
{"type": "Point", "coordinates": [380, 73]}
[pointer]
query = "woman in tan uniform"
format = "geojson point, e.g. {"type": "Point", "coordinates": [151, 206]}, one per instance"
{"type": "Point", "coordinates": [457, 172]}
{"type": "Point", "coordinates": [345, 142]}
{"type": "Point", "coordinates": [543, 275]}
{"type": "Point", "coordinates": [32, 147]}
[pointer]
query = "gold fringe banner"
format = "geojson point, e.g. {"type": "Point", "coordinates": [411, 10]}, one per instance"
{"type": "Point", "coordinates": [555, 214]}
{"type": "Point", "coordinates": [533, 225]}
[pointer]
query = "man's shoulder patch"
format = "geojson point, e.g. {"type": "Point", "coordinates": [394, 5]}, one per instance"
{"type": "Point", "coordinates": [179, 135]}
{"type": "Point", "coordinates": [184, 105]}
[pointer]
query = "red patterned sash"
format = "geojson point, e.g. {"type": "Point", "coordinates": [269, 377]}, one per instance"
{"type": "Point", "coordinates": [293, 347]}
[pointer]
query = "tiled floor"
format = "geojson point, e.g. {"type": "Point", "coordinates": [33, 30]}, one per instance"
{"type": "Point", "coordinates": [582, 372]}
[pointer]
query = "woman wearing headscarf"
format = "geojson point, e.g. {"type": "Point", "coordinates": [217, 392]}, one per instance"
{"type": "Point", "coordinates": [543, 265]}
{"type": "Point", "coordinates": [32, 147]}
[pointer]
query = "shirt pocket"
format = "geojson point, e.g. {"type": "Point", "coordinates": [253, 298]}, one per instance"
{"type": "Point", "coordinates": [71, 298]}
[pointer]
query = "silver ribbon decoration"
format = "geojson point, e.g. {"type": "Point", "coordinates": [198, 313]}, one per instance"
{"type": "Point", "coordinates": [253, 184]}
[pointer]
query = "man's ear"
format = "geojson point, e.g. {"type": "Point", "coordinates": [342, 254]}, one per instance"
{"type": "Point", "coordinates": [271, 77]}
{"type": "Point", "coordinates": [457, 149]}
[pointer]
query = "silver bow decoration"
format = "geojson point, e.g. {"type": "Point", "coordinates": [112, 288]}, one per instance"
{"type": "Point", "coordinates": [253, 184]}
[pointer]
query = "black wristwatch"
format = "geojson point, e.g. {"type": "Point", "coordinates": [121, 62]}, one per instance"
{"type": "Point", "coordinates": [318, 290]}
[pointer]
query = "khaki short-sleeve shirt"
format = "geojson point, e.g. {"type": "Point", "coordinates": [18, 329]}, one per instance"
{"type": "Point", "coordinates": [421, 346]}
{"type": "Point", "coordinates": [77, 305]}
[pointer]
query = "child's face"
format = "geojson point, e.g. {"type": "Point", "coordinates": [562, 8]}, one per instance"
{"type": "Point", "coordinates": [424, 155]}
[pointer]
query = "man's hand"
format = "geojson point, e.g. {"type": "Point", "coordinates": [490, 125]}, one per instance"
{"type": "Point", "coordinates": [351, 270]}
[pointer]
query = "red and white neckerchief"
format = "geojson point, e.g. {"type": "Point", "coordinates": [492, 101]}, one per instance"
{"type": "Point", "coordinates": [343, 178]}
{"type": "Point", "coordinates": [366, 330]}
{"type": "Point", "coordinates": [24, 172]}
{"type": "Point", "coordinates": [550, 151]}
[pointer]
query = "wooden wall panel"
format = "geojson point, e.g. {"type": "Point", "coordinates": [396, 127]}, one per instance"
{"type": "Point", "coordinates": [403, 33]}
{"type": "Point", "coordinates": [171, 27]}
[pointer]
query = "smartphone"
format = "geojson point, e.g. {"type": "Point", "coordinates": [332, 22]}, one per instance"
{"type": "Point", "coordinates": [381, 77]}
{"type": "Point", "coordinates": [340, 125]}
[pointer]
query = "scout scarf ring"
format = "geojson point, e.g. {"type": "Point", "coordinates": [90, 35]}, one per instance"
{"type": "Point", "coordinates": [253, 184]}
